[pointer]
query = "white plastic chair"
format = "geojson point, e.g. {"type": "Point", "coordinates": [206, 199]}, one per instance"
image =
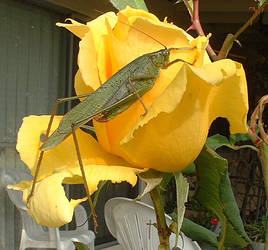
{"type": "Point", "coordinates": [34, 235]}
{"type": "Point", "coordinates": [131, 223]}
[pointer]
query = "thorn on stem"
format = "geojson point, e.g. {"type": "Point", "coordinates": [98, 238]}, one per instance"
{"type": "Point", "coordinates": [192, 27]}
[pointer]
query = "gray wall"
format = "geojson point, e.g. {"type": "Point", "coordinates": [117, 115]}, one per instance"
{"type": "Point", "coordinates": [32, 76]}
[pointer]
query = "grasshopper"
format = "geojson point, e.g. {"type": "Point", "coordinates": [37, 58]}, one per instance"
{"type": "Point", "coordinates": [117, 94]}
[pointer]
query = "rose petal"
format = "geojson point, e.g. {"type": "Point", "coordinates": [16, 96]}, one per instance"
{"type": "Point", "coordinates": [75, 27]}
{"type": "Point", "coordinates": [110, 133]}
{"type": "Point", "coordinates": [49, 206]}
{"type": "Point", "coordinates": [174, 131]}
{"type": "Point", "coordinates": [80, 86]}
{"type": "Point", "coordinates": [91, 49]}
{"type": "Point", "coordinates": [64, 155]}
{"type": "Point", "coordinates": [97, 173]}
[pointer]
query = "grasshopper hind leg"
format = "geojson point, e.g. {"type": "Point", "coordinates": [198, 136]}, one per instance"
{"type": "Point", "coordinates": [84, 178]}
{"type": "Point", "coordinates": [42, 152]}
{"type": "Point", "coordinates": [44, 139]}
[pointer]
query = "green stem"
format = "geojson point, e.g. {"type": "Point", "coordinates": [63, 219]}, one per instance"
{"type": "Point", "coordinates": [162, 228]}
{"type": "Point", "coordinates": [222, 234]}
{"type": "Point", "coordinates": [250, 20]}
{"type": "Point", "coordinates": [264, 163]}
{"type": "Point", "coordinates": [228, 43]}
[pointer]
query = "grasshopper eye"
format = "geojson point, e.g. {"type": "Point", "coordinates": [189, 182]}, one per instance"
{"type": "Point", "coordinates": [166, 53]}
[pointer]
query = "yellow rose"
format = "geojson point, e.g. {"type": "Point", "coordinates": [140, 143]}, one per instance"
{"type": "Point", "coordinates": [184, 101]}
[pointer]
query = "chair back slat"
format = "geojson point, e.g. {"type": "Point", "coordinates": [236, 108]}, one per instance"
{"type": "Point", "coordinates": [132, 224]}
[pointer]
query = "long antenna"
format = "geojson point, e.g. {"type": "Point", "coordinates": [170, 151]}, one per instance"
{"type": "Point", "coordinates": [132, 27]}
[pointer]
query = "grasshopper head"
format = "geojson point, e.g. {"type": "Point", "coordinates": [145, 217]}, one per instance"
{"type": "Point", "coordinates": [161, 58]}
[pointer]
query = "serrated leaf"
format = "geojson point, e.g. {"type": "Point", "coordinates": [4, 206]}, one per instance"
{"type": "Point", "coordinates": [80, 246]}
{"type": "Point", "coordinates": [122, 4]}
{"type": "Point", "coordinates": [152, 178]}
{"type": "Point", "coordinates": [215, 193]}
{"type": "Point", "coordinates": [216, 141]}
{"type": "Point", "coordinates": [182, 188]}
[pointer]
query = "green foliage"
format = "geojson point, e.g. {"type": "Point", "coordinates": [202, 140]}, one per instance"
{"type": "Point", "coordinates": [256, 231]}
{"type": "Point", "coordinates": [197, 232]}
{"type": "Point", "coordinates": [189, 170]}
{"type": "Point", "coordinates": [234, 138]}
{"type": "Point", "coordinates": [261, 2]}
{"type": "Point", "coordinates": [122, 4]}
{"type": "Point", "coordinates": [165, 181]}
{"type": "Point", "coordinates": [216, 141]}
{"type": "Point", "coordinates": [215, 193]}
{"type": "Point", "coordinates": [80, 246]}
{"type": "Point", "coordinates": [152, 179]}
{"type": "Point", "coordinates": [182, 188]}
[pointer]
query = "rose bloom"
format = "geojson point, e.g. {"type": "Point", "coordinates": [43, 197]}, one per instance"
{"type": "Point", "coordinates": [184, 101]}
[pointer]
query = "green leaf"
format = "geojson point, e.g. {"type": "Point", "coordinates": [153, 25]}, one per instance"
{"type": "Point", "coordinates": [216, 141]}
{"type": "Point", "coordinates": [182, 188]}
{"type": "Point", "coordinates": [197, 232]}
{"type": "Point", "coordinates": [166, 179]}
{"type": "Point", "coordinates": [261, 2]}
{"type": "Point", "coordinates": [122, 4]}
{"type": "Point", "coordinates": [168, 176]}
{"type": "Point", "coordinates": [97, 195]}
{"type": "Point", "coordinates": [152, 178]}
{"type": "Point", "coordinates": [234, 138]}
{"type": "Point", "coordinates": [189, 5]}
{"type": "Point", "coordinates": [215, 193]}
{"type": "Point", "coordinates": [189, 170]}
{"type": "Point", "coordinates": [80, 246]}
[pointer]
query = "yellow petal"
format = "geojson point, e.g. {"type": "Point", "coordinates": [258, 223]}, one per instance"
{"type": "Point", "coordinates": [80, 86]}
{"type": "Point", "coordinates": [64, 155]}
{"type": "Point", "coordinates": [130, 12]}
{"type": "Point", "coordinates": [49, 206]}
{"type": "Point", "coordinates": [97, 173]}
{"type": "Point", "coordinates": [134, 45]}
{"type": "Point", "coordinates": [231, 98]}
{"type": "Point", "coordinates": [75, 27]}
{"type": "Point", "coordinates": [87, 62]}
{"type": "Point", "coordinates": [90, 51]}
{"type": "Point", "coordinates": [98, 27]}
{"type": "Point", "coordinates": [201, 57]}
{"type": "Point", "coordinates": [174, 131]}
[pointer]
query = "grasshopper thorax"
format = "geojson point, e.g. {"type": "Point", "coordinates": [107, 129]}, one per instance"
{"type": "Point", "coordinates": [160, 58]}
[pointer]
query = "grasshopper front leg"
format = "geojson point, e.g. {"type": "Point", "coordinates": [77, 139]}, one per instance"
{"type": "Point", "coordinates": [137, 78]}
{"type": "Point", "coordinates": [138, 95]}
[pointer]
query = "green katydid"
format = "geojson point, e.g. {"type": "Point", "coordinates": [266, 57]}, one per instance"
{"type": "Point", "coordinates": [117, 94]}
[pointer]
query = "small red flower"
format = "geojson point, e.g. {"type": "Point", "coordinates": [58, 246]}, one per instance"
{"type": "Point", "coordinates": [214, 221]}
